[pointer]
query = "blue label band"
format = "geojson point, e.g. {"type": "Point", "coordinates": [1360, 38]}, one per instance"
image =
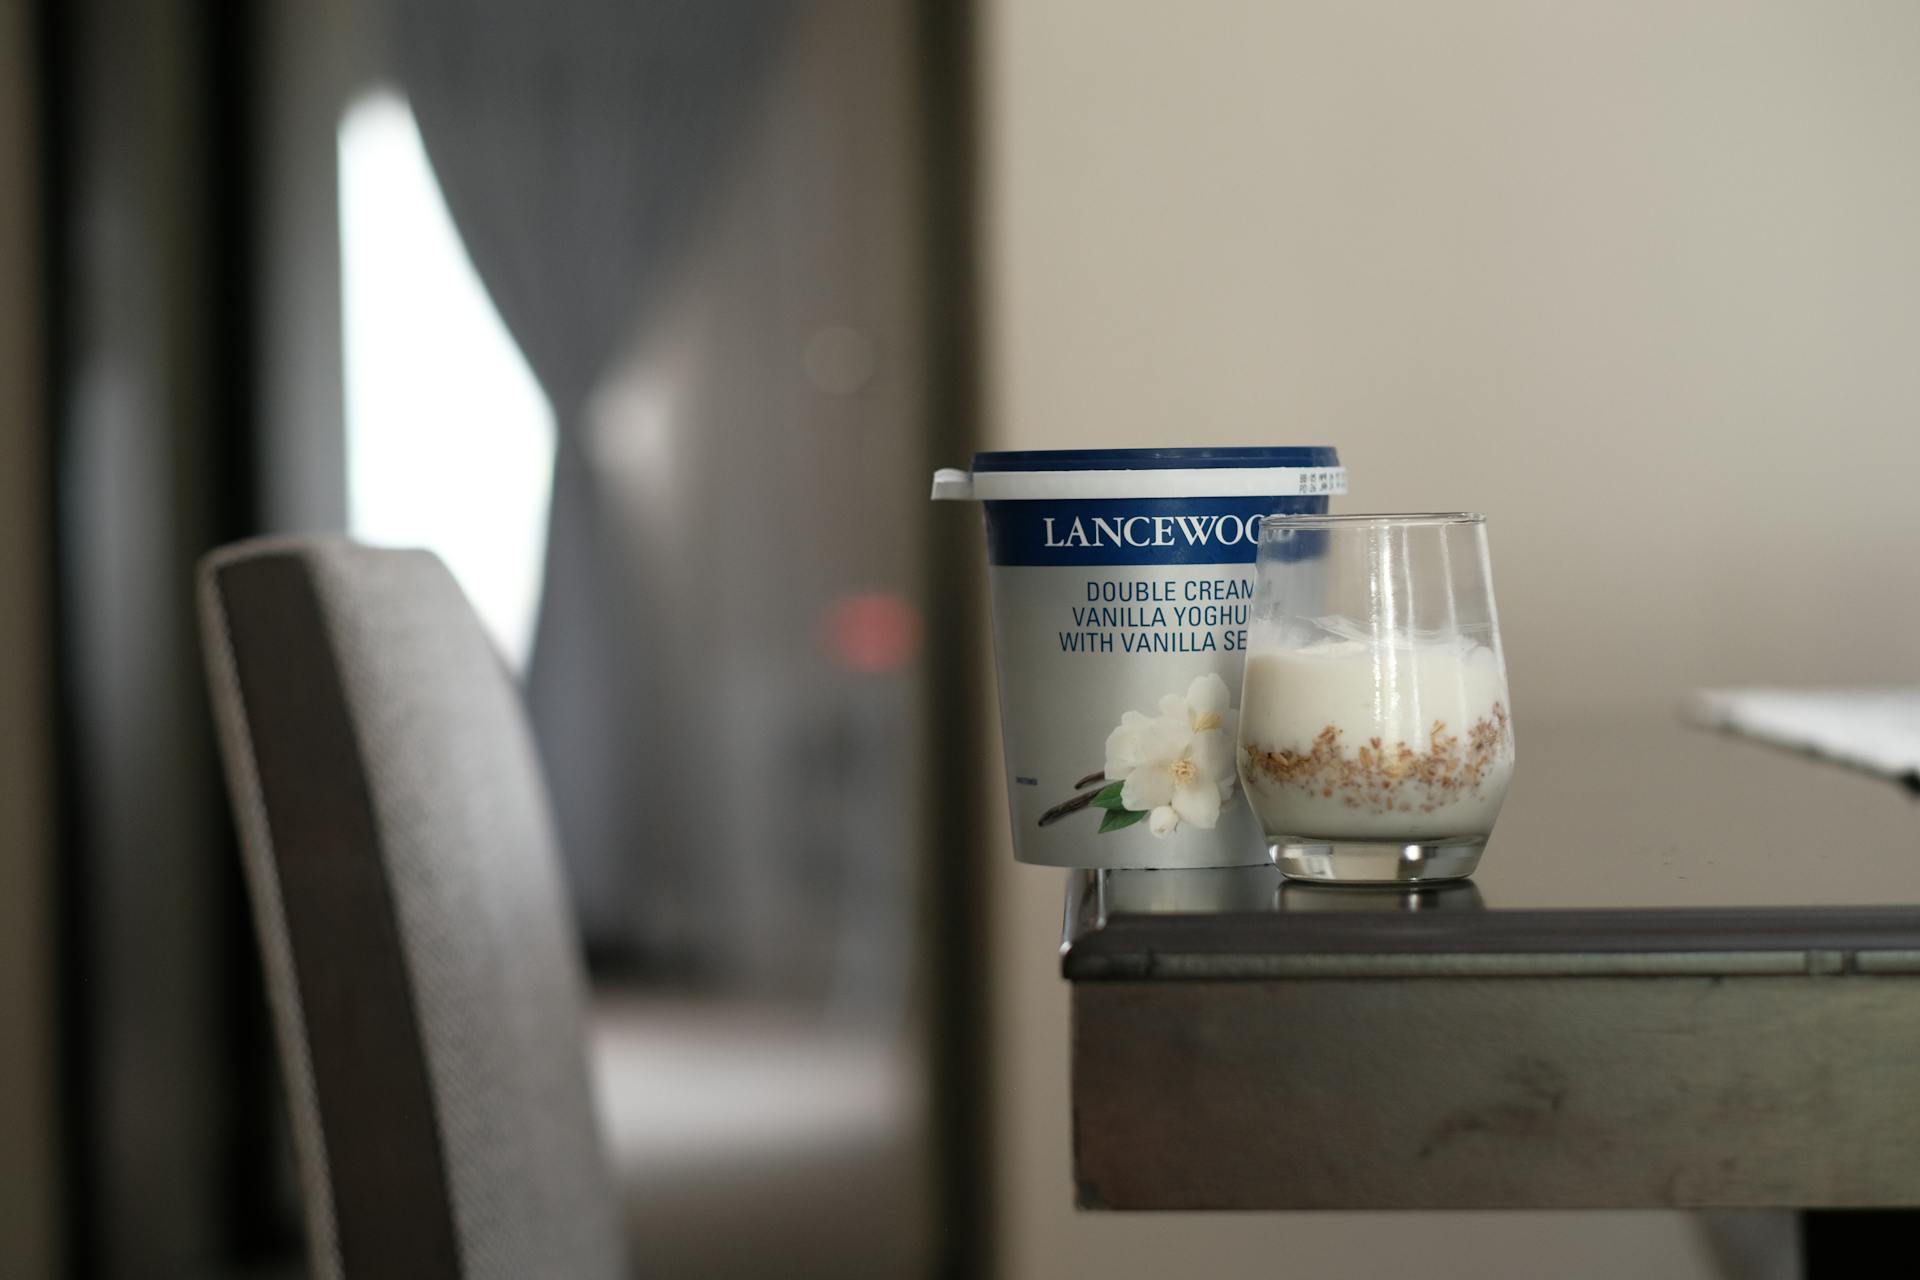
{"type": "Point", "coordinates": [1135, 531]}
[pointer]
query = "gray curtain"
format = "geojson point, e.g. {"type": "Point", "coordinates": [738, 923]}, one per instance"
{"type": "Point", "coordinates": [575, 141]}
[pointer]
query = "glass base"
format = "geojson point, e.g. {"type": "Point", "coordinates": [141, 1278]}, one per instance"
{"type": "Point", "coordinates": [1381, 862]}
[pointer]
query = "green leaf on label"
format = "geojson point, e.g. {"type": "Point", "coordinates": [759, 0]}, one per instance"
{"type": "Point", "coordinates": [1118, 819]}
{"type": "Point", "coordinates": [1109, 797]}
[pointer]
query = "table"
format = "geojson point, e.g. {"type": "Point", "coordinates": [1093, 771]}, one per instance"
{"type": "Point", "coordinates": [1686, 976]}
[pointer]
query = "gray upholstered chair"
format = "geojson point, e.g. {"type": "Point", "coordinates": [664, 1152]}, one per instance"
{"type": "Point", "coordinates": [423, 970]}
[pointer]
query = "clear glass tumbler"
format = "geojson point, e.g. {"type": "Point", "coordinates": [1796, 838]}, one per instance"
{"type": "Point", "coordinates": [1376, 733]}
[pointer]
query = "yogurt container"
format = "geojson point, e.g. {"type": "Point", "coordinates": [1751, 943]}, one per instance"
{"type": "Point", "coordinates": [1121, 582]}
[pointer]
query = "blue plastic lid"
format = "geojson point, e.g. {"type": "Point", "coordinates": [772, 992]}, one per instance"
{"type": "Point", "coordinates": [1156, 459]}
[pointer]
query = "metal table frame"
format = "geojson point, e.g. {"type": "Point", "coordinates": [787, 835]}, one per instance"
{"type": "Point", "coordinates": [1676, 1059]}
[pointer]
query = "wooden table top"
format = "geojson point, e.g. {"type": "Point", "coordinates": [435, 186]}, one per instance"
{"type": "Point", "coordinates": [1631, 839]}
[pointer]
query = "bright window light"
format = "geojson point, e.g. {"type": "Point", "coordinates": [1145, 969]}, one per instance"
{"type": "Point", "coordinates": [449, 436]}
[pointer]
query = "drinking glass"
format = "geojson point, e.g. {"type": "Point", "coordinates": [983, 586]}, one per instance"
{"type": "Point", "coordinates": [1376, 732]}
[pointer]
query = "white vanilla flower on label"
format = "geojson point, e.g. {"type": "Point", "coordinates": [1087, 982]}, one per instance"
{"type": "Point", "coordinates": [1177, 766]}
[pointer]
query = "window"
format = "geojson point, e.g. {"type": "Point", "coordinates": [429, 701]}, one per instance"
{"type": "Point", "coordinates": [449, 436]}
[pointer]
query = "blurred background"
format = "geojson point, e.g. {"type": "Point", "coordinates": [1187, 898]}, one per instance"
{"type": "Point", "coordinates": [653, 318]}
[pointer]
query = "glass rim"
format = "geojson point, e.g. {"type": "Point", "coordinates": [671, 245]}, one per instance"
{"type": "Point", "coordinates": [1285, 523]}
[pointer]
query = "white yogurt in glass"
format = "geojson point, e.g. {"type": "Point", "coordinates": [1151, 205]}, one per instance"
{"type": "Point", "coordinates": [1353, 739]}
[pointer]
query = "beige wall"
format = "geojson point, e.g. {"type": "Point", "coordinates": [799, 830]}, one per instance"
{"type": "Point", "coordinates": [1640, 280]}
{"type": "Point", "coordinates": [26, 1088]}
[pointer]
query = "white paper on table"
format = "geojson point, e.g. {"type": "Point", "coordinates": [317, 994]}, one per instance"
{"type": "Point", "coordinates": [1873, 729]}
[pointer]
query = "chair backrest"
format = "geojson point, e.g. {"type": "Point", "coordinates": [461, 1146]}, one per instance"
{"type": "Point", "coordinates": [405, 881]}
